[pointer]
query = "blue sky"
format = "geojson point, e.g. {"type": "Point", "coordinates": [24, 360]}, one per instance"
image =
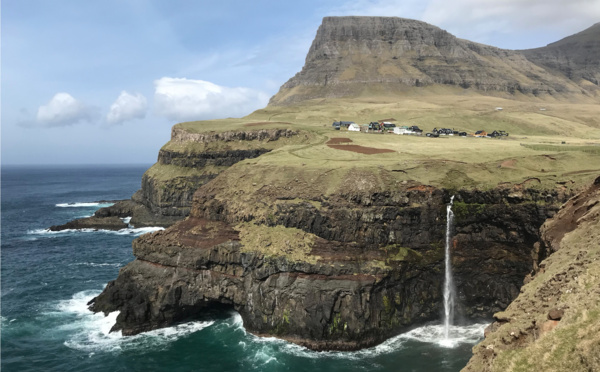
{"type": "Point", "coordinates": [103, 81]}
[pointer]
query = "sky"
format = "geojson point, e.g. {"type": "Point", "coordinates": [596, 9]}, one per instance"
{"type": "Point", "coordinates": [103, 81]}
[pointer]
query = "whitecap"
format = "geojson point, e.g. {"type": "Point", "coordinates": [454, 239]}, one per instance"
{"type": "Point", "coordinates": [126, 231]}
{"type": "Point", "coordinates": [126, 219]}
{"type": "Point", "coordinates": [83, 205]}
{"type": "Point", "coordinates": [90, 332]}
{"type": "Point", "coordinates": [93, 264]}
{"type": "Point", "coordinates": [430, 334]}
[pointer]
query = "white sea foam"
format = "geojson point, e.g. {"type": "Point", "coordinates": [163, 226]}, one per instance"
{"type": "Point", "coordinates": [127, 231]}
{"type": "Point", "coordinates": [126, 219]}
{"type": "Point", "coordinates": [83, 205]}
{"type": "Point", "coordinates": [93, 264]}
{"type": "Point", "coordinates": [90, 332]}
{"type": "Point", "coordinates": [457, 335]}
{"type": "Point", "coordinates": [429, 334]}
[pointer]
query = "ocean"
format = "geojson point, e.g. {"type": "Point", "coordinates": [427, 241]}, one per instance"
{"type": "Point", "coordinates": [47, 279]}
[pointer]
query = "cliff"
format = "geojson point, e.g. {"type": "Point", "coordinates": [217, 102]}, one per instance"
{"type": "Point", "coordinates": [324, 268]}
{"type": "Point", "coordinates": [354, 56]}
{"type": "Point", "coordinates": [554, 323]}
{"type": "Point", "coordinates": [188, 161]}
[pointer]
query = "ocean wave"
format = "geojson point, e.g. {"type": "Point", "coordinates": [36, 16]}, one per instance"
{"type": "Point", "coordinates": [93, 264]}
{"type": "Point", "coordinates": [127, 231]}
{"type": "Point", "coordinates": [84, 205]}
{"type": "Point", "coordinates": [90, 332]}
{"type": "Point", "coordinates": [430, 334]}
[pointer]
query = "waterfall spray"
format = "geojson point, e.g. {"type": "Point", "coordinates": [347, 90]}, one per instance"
{"type": "Point", "coordinates": [448, 284]}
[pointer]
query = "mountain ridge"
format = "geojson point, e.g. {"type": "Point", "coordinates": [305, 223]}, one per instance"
{"type": "Point", "coordinates": [392, 54]}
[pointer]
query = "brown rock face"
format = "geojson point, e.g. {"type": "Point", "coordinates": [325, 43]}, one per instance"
{"type": "Point", "coordinates": [389, 55]}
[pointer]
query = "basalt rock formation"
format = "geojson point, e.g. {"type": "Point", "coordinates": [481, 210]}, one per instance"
{"type": "Point", "coordinates": [554, 323]}
{"type": "Point", "coordinates": [330, 272]}
{"type": "Point", "coordinates": [351, 56]}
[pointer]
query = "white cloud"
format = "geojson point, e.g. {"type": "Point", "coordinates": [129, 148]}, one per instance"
{"type": "Point", "coordinates": [512, 24]}
{"type": "Point", "coordinates": [181, 99]}
{"type": "Point", "coordinates": [63, 110]}
{"type": "Point", "coordinates": [127, 107]}
{"type": "Point", "coordinates": [473, 17]}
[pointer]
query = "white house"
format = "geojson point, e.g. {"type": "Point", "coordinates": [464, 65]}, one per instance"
{"type": "Point", "coordinates": [354, 127]}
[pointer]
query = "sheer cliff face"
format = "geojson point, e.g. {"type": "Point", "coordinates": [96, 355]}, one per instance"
{"type": "Point", "coordinates": [390, 54]}
{"type": "Point", "coordinates": [327, 270]}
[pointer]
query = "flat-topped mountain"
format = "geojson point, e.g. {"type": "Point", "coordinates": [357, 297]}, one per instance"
{"type": "Point", "coordinates": [354, 56]}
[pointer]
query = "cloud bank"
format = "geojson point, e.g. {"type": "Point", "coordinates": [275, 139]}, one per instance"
{"type": "Point", "coordinates": [63, 110]}
{"type": "Point", "coordinates": [181, 99]}
{"type": "Point", "coordinates": [127, 107]}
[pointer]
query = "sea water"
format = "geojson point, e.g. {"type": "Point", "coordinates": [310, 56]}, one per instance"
{"type": "Point", "coordinates": [48, 278]}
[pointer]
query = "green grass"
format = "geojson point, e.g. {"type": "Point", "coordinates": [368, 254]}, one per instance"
{"type": "Point", "coordinates": [168, 172]}
{"type": "Point", "coordinates": [278, 241]}
{"type": "Point", "coordinates": [444, 162]}
{"type": "Point", "coordinates": [560, 148]}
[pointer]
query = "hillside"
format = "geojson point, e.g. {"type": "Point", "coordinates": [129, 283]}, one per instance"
{"type": "Point", "coordinates": [357, 56]}
{"type": "Point", "coordinates": [576, 56]}
{"type": "Point", "coordinates": [554, 323]}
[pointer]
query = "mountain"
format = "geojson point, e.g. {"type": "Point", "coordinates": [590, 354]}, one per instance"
{"type": "Point", "coordinates": [354, 56]}
{"type": "Point", "coordinates": [576, 56]}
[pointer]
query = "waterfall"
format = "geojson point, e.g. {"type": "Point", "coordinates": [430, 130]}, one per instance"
{"type": "Point", "coordinates": [448, 284]}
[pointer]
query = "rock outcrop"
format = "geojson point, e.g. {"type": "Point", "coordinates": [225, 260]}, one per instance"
{"type": "Point", "coordinates": [185, 163]}
{"type": "Point", "coordinates": [351, 56]}
{"type": "Point", "coordinates": [329, 272]}
{"type": "Point", "coordinates": [554, 323]}
{"type": "Point", "coordinates": [94, 222]}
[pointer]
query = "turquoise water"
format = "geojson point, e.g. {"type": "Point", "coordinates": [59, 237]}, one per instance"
{"type": "Point", "coordinates": [48, 278]}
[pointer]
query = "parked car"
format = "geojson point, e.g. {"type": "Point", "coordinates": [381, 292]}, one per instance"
{"type": "Point", "coordinates": [498, 133]}
{"type": "Point", "coordinates": [415, 129]}
{"type": "Point", "coordinates": [444, 131]}
{"type": "Point", "coordinates": [373, 125]}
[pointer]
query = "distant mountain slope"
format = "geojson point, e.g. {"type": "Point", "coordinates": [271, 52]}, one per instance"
{"type": "Point", "coordinates": [352, 56]}
{"type": "Point", "coordinates": [576, 56]}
